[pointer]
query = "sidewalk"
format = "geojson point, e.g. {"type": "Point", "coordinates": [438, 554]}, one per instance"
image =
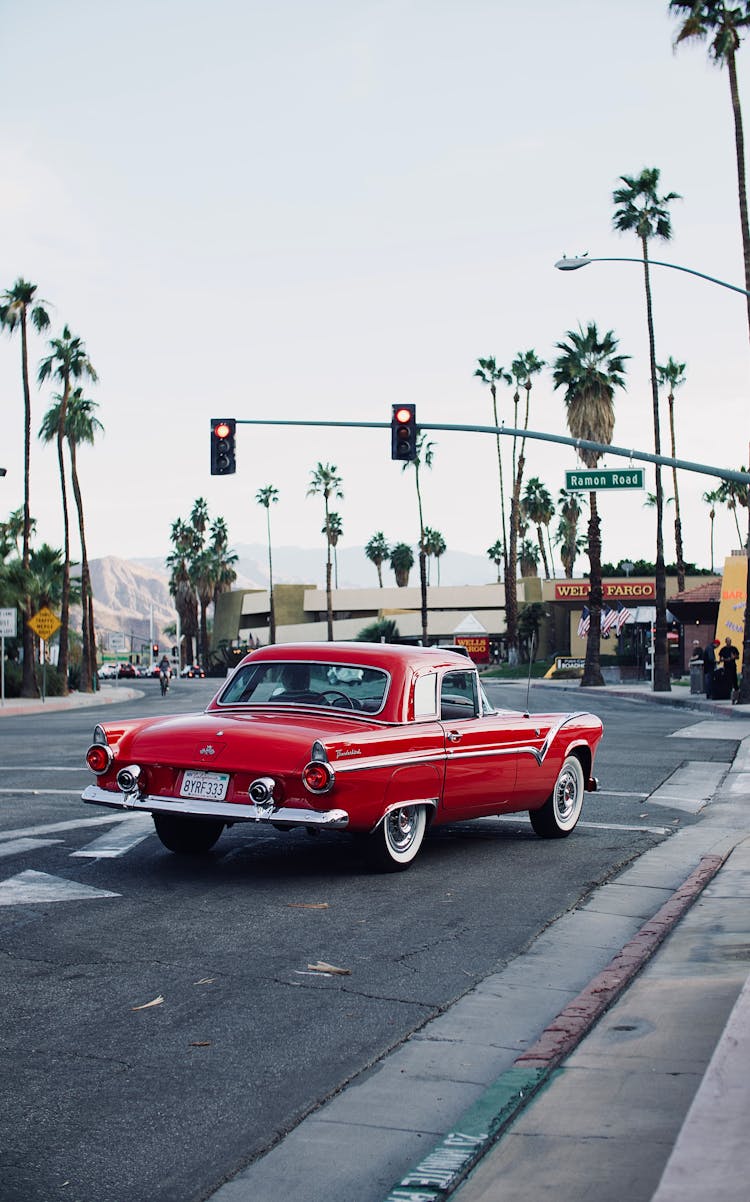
{"type": "Point", "coordinates": [106, 694]}
{"type": "Point", "coordinates": [612, 1056]}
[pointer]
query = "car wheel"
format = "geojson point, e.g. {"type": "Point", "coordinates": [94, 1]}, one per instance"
{"type": "Point", "coordinates": [397, 839]}
{"type": "Point", "coordinates": [187, 836]}
{"type": "Point", "coordinates": [562, 809]}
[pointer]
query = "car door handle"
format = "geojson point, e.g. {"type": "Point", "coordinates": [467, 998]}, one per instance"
{"type": "Point", "coordinates": [453, 736]}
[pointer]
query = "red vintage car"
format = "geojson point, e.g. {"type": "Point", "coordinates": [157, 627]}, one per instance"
{"type": "Point", "coordinates": [378, 740]}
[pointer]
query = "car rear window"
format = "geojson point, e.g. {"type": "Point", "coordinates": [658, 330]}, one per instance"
{"type": "Point", "coordinates": [339, 686]}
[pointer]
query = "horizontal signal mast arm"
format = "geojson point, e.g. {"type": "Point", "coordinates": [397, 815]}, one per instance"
{"type": "Point", "coordinates": [580, 444]}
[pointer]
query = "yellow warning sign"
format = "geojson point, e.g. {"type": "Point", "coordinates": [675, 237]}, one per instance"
{"type": "Point", "coordinates": [44, 623]}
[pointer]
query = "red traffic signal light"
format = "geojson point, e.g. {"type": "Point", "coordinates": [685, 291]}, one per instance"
{"type": "Point", "coordinates": [404, 433]}
{"type": "Point", "coordinates": [223, 461]}
{"type": "Point", "coordinates": [155, 649]}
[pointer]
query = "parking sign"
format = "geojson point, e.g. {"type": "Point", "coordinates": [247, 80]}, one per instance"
{"type": "Point", "coordinates": [8, 619]}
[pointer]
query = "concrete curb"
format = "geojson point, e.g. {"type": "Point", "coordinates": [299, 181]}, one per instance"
{"type": "Point", "coordinates": [450, 1161]}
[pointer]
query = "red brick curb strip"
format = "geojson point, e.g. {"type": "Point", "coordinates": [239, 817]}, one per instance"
{"type": "Point", "coordinates": [565, 1032]}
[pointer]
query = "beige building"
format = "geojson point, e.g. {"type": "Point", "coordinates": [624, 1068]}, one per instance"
{"type": "Point", "coordinates": [242, 616]}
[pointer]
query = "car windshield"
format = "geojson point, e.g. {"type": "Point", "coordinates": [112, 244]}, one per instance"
{"type": "Point", "coordinates": [301, 683]}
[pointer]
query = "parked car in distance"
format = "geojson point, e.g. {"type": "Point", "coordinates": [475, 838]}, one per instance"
{"type": "Point", "coordinates": [126, 671]}
{"type": "Point", "coordinates": [193, 671]}
{"type": "Point", "coordinates": [107, 672]}
{"type": "Point", "coordinates": [378, 740]}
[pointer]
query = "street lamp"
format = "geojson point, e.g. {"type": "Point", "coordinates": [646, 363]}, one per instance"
{"type": "Point", "coordinates": [573, 264]}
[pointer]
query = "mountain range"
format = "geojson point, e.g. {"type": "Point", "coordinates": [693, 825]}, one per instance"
{"type": "Point", "coordinates": [131, 596]}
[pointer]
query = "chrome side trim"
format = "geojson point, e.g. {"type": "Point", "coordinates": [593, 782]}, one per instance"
{"type": "Point", "coordinates": [284, 816]}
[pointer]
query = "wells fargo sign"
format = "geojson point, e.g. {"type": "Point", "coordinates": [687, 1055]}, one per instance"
{"type": "Point", "coordinates": [612, 590]}
{"type": "Point", "coordinates": [477, 645]}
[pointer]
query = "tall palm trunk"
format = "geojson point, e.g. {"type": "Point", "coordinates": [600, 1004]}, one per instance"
{"type": "Point", "coordinates": [62, 659]}
{"type": "Point", "coordinates": [677, 521]}
{"type": "Point", "coordinates": [329, 598]}
{"type": "Point", "coordinates": [271, 611]}
{"type": "Point", "coordinates": [493, 392]}
{"type": "Point", "coordinates": [592, 672]}
{"type": "Point", "coordinates": [29, 686]}
{"type": "Point", "coordinates": [739, 143]}
{"type": "Point", "coordinates": [660, 648]}
{"type": "Point", "coordinates": [422, 560]}
{"type": "Point", "coordinates": [88, 652]}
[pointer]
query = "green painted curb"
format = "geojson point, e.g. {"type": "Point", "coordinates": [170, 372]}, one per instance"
{"type": "Point", "coordinates": [443, 1169]}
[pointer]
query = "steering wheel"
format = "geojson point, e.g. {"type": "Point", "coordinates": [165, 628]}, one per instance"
{"type": "Point", "coordinates": [336, 693]}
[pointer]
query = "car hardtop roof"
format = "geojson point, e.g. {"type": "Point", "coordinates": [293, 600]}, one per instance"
{"type": "Point", "coordinates": [369, 655]}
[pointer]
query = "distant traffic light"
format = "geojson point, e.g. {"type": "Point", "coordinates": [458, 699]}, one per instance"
{"type": "Point", "coordinates": [155, 649]}
{"type": "Point", "coordinates": [404, 433]}
{"type": "Point", "coordinates": [223, 462]}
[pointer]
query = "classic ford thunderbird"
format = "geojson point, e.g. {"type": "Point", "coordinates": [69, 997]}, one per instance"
{"type": "Point", "coordinates": [379, 740]}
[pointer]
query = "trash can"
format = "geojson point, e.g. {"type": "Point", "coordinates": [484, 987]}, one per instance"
{"type": "Point", "coordinates": [696, 678]}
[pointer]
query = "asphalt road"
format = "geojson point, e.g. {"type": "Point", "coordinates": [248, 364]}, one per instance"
{"type": "Point", "coordinates": [105, 1098]}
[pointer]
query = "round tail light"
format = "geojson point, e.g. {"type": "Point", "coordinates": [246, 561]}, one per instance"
{"type": "Point", "coordinates": [318, 777]}
{"type": "Point", "coordinates": [99, 757]}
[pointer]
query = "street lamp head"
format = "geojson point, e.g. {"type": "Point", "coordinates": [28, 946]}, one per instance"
{"type": "Point", "coordinates": [566, 264]}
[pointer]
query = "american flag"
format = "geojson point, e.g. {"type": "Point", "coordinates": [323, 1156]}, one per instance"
{"type": "Point", "coordinates": [609, 619]}
{"type": "Point", "coordinates": [624, 616]}
{"type": "Point", "coordinates": [584, 622]}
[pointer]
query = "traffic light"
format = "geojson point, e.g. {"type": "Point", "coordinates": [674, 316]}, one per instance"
{"type": "Point", "coordinates": [155, 649]}
{"type": "Point", "coordinates": [404, 433]}
{"type": "Point", "coordinates": [223, 462]}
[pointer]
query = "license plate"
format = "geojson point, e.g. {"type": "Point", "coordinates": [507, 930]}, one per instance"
{"type": "Point", "coordinates": [211, 786]}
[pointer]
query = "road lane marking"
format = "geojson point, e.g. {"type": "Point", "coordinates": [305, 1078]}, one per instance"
{"type": "Point", "coordinates": [620, 793]}
{"type": "Point", "coordinates": [128, 834]}
{"type": "Point", "coordinates": [54, 828]}
{"type": "Point", "coordinates": [29, 888]}
{"type": "Point", "coordinates": [43, 792]}
{"type": "Point", "coordinates": [602, 826]}
{"type": "Point", "coordinates": [16, 847]}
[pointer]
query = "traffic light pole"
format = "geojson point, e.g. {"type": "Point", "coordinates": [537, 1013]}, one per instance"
{"type": "Point", "coordinates": [580, 444]}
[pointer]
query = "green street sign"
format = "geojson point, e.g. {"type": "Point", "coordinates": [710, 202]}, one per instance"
{"type": "Point", "coordinates": [595, 478]}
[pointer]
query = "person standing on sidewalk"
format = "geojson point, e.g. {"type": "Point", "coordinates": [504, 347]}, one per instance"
{"type": "Point", "coordinates": [709, 667]}
{"type": "Point", "coordinates": [729, 655]}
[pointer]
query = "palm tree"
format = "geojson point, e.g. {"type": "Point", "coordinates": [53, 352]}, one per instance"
{"type": "Point", "coordinates": [569, 505]}
{"type": "Point", "coordinates": [268, 496]}
{"type": "Point", "coordinates": [723, 27]}
{"type": "Point", "coordinates": [402, 562]}
{"type": "Point", "coordinates": [497, 554]}
{"type": "Point", "coordinates": [81, 425]}
{"type": "Point", "coordinates": [673, 375]}
{"type": "Point", "coordinates": [425, 454]}
{"type": "Point", "coordinates": [185, 541]}
{"type": "Point", "coordinates": [589, 369]}
{"type": "Point", "coordinates": [712, 499]}
{"type": "Point", "coordinates": [642, 211]}
{"type": "Point", "coordinates": [434, 544]}
{"type": "Point", "coordinates": [68, 361]}
{"type": "Point", "coordinates": [18, 305]}
{"type": "Point", "coordinates": [326, 483]}
{"type": "Point", "coordinates": [525, 365]}
{"type": "Point", "coordinates": [377, 551]}
{"type": "Point", "coordinates": [491, 374]}
{"type": "Point", "coordinates": [224, 559]}
{"type": "Point", "coordinates": [528, 558]}
{"type": "Point", "coordinates": [539, 508]}
{"type": "Point", "coordinates": [333, 530]}
{"type": "Point", "coordinates": [731, 494]}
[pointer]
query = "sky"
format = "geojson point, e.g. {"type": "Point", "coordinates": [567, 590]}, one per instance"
{"type": "Point", "coordinates": [311, 210]}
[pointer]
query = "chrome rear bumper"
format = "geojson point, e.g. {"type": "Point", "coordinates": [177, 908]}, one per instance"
{"type": "Point", "coordinates": [192, 808]}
